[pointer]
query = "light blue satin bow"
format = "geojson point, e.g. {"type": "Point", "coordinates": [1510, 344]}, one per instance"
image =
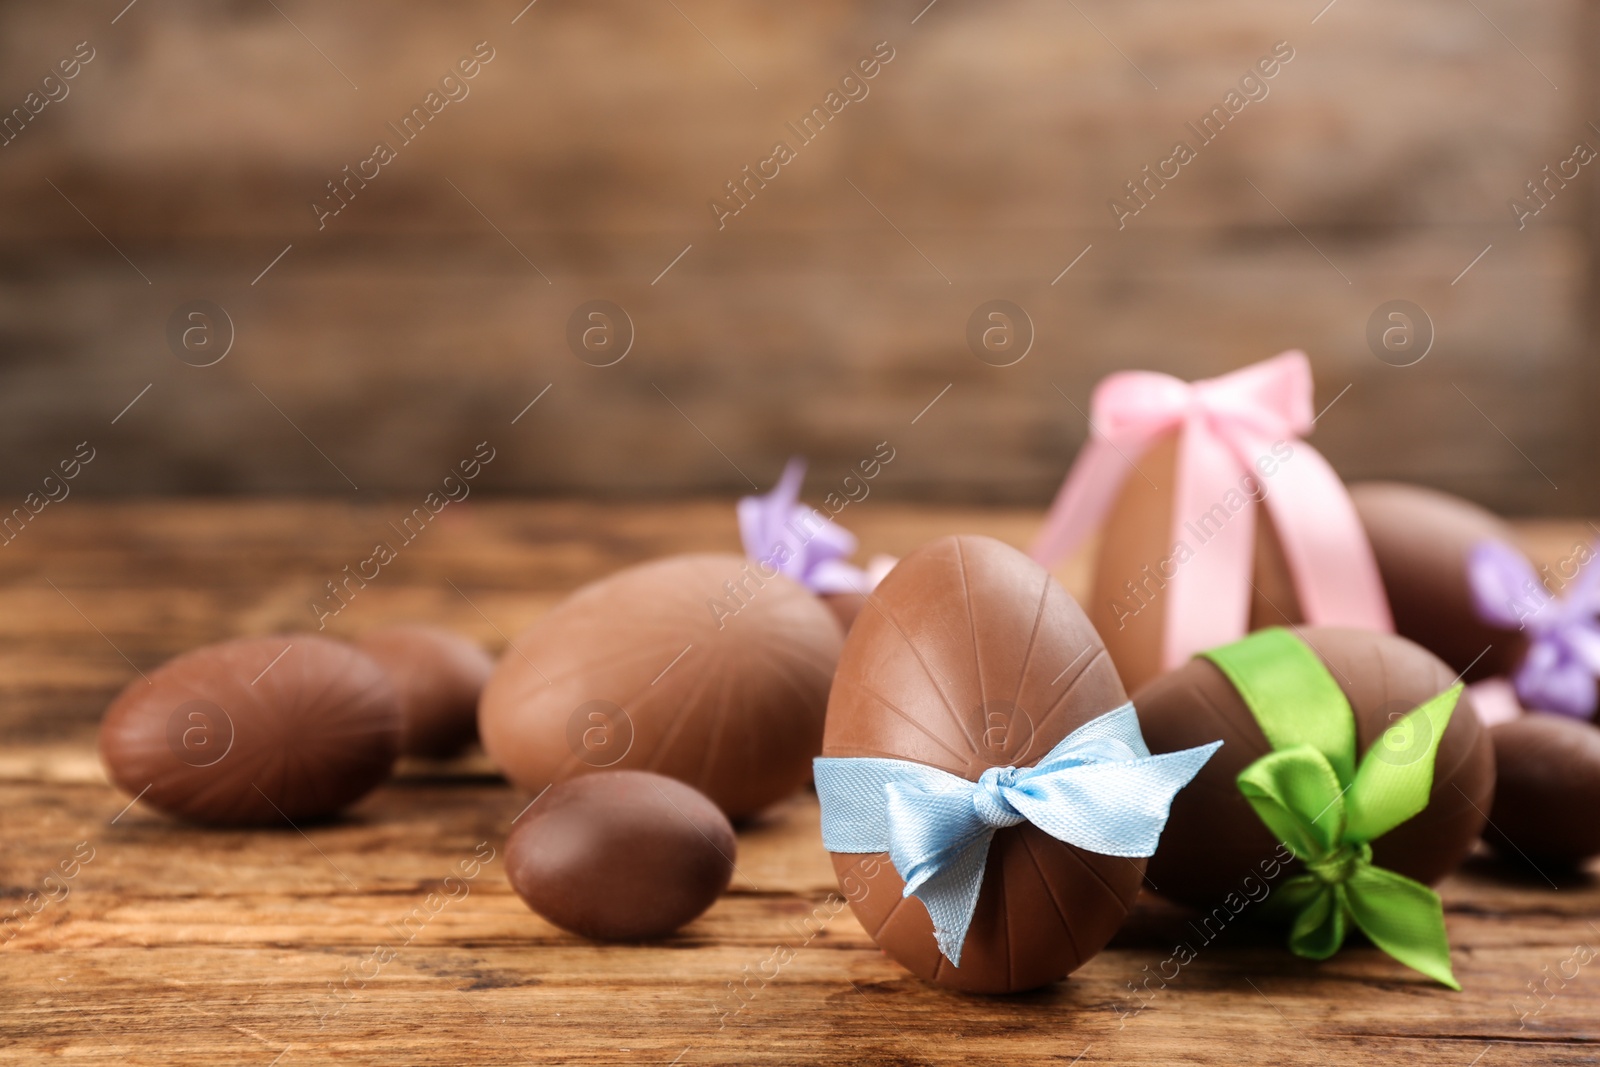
{"type": "Point", "coordinates": [1099, 789]}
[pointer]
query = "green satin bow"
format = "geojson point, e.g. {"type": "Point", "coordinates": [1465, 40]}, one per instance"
{"type": "Point", "coordinates": [1311, 793]}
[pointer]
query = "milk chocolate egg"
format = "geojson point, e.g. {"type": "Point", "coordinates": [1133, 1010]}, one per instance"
{"type": "Point", "coordinates": [1214, 840]}
{"type": "Point", "coordinates": [255, 731]}
{"type": "Point", "coordinates": [621, 855]}
{"type": "Point", "coordinates": [696, 667]}
{"type": "Point", "coordinates": [1128, 601]}
{"type": "Point", "coordinates": [438, 675]}
{"type": "Point", "coordinates": [971, 656]}
{"type": "Point", "coordinates": [1422, 538]}
{"type": "Point", "coordinates": [845, 607]}
{"type": "Point", "coordinates": [1547, 790]}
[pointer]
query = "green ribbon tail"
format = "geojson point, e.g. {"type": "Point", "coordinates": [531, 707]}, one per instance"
{"type": "Point", "coordinates": [1403, 918]}
{"type": "Point", "coordinates": [1396, 775]}
{"type": "Point", "coordinates": [1320, 923]}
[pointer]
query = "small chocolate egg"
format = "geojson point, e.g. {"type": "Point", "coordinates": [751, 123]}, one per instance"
{"type": "Point", "coordinates": [1422, 538]}
{"type": "Point", "coordinates": [971, 657]}
{"type": "Point", "coordinates": [621, 855]}
{"type": "Point", "coordinates": [1547, 790]}
{"type": "Point", "coordinates": [1139, 553]}
{"type": "Point", "coordinates": [697, 667]}
{"type": "Point", "coordinates": [256, 731]}
{"type": "Point", "coordinates": [438, 675]}
{"type": "Point", "coordinates": [1214, 840]}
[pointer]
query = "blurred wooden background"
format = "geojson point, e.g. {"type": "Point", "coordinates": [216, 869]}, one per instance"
{"type": "Point", "coordinates": [377, 351]}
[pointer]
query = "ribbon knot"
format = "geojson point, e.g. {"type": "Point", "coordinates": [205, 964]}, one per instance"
{"type": "Point", "coordinates": [1339, 865]}
{"type": "Point", "coordinates": [1233, 429]}
{"type": "Point", "coordinates": [989, 799]}
{"type": "Point", "coordinates": [1312, 793]}
{"type": "Point", "coordinates": [1558, 672]}
{"type": "Point", "coordinates": [1100, 790]}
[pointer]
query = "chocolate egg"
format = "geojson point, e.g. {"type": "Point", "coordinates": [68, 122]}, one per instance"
{"type": "Point", "coordinates": [621, 855]}
{"type": "Point", "coordinates": [696, 667]}
{"type": "Point", "coordinates": [1547, 790]}
{"type": "Point", "coordinates": [255, 731]}
{"type": "Point", "coordinates": [438, 675]}
{"type": "Point", "coordinates": [845, 607]}
{"type": "Point", "coordinates": [1214, 840]}
{"type": "Point", "coordinates": [1127, 602]}
{"type": "Point", "coordinates": [971, 656]}
{"type": "Point", "coordinates": [1422, 538]}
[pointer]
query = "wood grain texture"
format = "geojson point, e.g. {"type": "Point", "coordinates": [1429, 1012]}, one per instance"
{"type": "Point", "coordinates": [176, 946]}
{"type": "Point", "coordinates": [827, 313]}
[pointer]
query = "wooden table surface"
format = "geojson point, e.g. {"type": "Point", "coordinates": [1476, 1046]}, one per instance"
{"type": "Point", "coordinates": [156, 943]}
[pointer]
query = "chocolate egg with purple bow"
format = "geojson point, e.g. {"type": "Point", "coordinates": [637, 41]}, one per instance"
{"type": "Point", "coordinates": [1215, 845]}
{"type": "Point", "coordinates": [1422, 539]}
{"type": "Point", "coordinates": [974, 657]}
{"type": "Point", "coordinates": [700, 667]}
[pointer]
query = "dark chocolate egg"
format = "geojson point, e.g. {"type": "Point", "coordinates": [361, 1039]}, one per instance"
{"type": "Point", "coordinates": [698, 667]}
{"type": "Point", "coordinates": [1421, 539]}
{"type": "Point", "coordinates": [971, 656]}
{"type": "Point", "coordinates": [438, 675]}
{"type": "Point", "coordinates": [621, 855]}
{"type": "Point", "coordinates": [256, 731]}
{"type": "Point", "coordinates": [1547, 790]}
{"type": "Point", "coordinates": [1214, 840]}
{"type": "Point", "coordinates": [1128, 601]}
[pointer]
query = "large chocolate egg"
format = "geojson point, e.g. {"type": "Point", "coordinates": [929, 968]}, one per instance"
{"type": "Point", "coordinates": [257, 731]}
{"type": "Point", "coordinates": [702, 668]}
{"type": "Point", "coordinates": [438, 675]}
{"type": "Point", "coordinates": [1422, 538]}
{"type": "Point", "coordinates": [971, 656]}
{"type": "Point", "coordinates": [1547, 790]}
{"type": "Point", "coordinates": [1214, 840]}
{"type": "Point", "coordinates": [1138, 553]}
{"type": "Point", "coordinates": [621, 855]}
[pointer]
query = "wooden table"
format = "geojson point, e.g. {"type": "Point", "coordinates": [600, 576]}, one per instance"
{"type": "Point", "coordinates": [173, 945]}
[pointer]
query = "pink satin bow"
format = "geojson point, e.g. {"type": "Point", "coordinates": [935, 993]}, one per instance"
{"type": "Point", "coordinates": [1227, 425]}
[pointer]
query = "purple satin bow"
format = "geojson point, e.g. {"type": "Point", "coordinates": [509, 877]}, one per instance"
{"type": "Point", "coordinates": [1560, 669]}
{"type": "Point", "coordinates": [799, 541]}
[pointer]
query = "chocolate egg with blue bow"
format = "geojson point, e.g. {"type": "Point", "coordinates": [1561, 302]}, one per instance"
{"type": "Point", "coordinates": [1216, 853]}
{"type": "Point", "coordinates": [973, 657]}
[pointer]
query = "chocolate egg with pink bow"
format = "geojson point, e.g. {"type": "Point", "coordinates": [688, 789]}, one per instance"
{"type": "Point", "coordinates": [1214, 517]}
{"type": "Point", "coordinates": [974, 658]}
{"type": "Point", "coordinates": [1139, 556]}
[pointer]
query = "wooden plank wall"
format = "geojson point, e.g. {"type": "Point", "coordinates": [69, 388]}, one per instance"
{"type": "Point", "coordinates": [833, 308]}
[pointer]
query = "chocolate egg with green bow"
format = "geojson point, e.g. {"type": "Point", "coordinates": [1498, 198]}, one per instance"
{"type": "Point", "coordinates": [1376, 763]}
{"type": "Point", "coordinates": [973, 668]}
